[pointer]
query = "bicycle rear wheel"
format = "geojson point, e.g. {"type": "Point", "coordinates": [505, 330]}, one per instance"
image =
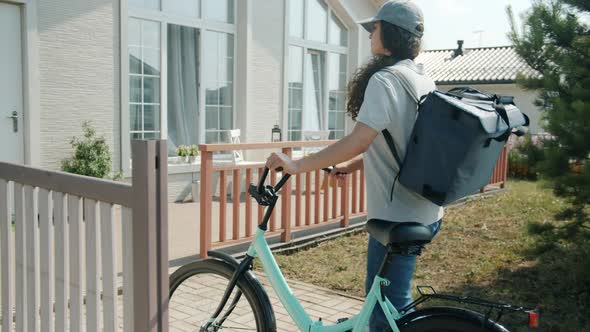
{"type": "Point", "coordinates": [196, 290]}
{"type": "Point", "coordinates": [447, 319]}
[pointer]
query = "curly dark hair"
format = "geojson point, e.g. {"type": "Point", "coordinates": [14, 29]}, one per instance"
{"type": "Point", "coordinates": [402, 45]}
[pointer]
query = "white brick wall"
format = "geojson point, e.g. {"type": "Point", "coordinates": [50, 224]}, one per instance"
{"type": "Point", "coordinates": [79, 74]}
{"type": "Point", "coordinates": [265, 68]}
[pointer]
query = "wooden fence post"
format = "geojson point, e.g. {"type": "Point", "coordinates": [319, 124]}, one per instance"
{"type": "Point", "coordinates": [206, 202]}
{"type": "Point", "coordinates": [345, 203]}
{"type": "Point", "coordinates": [150, 236]}
{"type": "Point", "coordinates": [504, 166]}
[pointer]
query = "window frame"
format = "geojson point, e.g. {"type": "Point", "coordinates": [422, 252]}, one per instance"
{"type": "Point", "coordinates": [165, 18]}
{"type": "Point", "coordinates": [307, 45]}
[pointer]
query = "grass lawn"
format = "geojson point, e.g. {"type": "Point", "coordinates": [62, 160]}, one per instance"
{"type": "Point", "coordinates": [492, 248]}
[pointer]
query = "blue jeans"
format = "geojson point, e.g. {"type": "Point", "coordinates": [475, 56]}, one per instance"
{"type": "Point", "coordinates": [400, 273]}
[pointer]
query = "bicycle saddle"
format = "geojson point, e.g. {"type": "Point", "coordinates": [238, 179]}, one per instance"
{"type": "Point", "coordinates": [399, 234]}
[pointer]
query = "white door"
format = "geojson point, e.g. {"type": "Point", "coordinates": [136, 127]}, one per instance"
{"type": "Point", "coordinates": [11, 87]}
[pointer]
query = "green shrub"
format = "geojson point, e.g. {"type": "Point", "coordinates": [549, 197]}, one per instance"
{"type": "Point", "coordinates": [91, 155]}
{"type": "Point", "coordinates": [524, 159]}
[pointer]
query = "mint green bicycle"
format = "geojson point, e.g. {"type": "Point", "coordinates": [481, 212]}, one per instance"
{"type": "Point", "coordinates": [208, 295]}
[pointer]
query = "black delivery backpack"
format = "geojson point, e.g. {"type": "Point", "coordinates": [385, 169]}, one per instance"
{"type": "Point", "coordinates": [456, 141]}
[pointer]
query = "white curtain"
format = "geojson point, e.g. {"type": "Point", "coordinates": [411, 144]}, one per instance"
{"type": "Point", "coordinates": [183, 104]}
{"type": "Point", "coordinates": [313, 108]}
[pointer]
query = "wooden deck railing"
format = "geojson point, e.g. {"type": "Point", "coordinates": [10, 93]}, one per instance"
{"type": "Point", "coordinates": [315, 202]}
{"type": "Point", "coordinates": [58, 268]}
{"type": "Point", "coordinates": [308, 199]}
{"type": "Point", "coordinates": [500, 173]}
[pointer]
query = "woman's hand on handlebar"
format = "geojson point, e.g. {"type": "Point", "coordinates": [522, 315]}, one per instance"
{"type": "Point", "coordinates": [283, 161]}
{"type": "Point", "coordinates": [340, 171]}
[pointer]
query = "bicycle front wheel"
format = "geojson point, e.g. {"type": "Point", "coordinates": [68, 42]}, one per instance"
{"type": "Point", "coordinates": [196, 290]}
{"type": "Point", "coordinates": [447, 319]}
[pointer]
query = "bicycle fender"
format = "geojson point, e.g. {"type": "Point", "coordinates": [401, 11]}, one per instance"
{"type": "Point", "coordinates": [224, 257]}
{"type": "Point", "coordinates": [452, 312]}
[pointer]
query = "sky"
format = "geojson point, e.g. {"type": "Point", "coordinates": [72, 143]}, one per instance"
{"type": "Point", "coordinates": [479, 23]}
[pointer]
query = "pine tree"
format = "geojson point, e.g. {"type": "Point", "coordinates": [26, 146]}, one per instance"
{"type": "Point", "coordinates": [555, 41]}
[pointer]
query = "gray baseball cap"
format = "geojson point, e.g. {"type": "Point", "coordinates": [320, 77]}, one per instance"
{"type": "Point", "coordinates": [402, 13]}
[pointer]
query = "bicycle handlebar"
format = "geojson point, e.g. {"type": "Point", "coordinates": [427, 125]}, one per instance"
{"type": "Point", "coordinates": [284, 179]}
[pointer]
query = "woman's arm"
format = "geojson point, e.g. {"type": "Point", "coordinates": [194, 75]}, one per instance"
{"type": "Point", "coordinates": [350, 166]}
{"type": "Point", "coordinates": [345, 149]}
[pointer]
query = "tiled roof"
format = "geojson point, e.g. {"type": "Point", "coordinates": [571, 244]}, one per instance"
{"type": "Point", "coordinates": [485, 65]}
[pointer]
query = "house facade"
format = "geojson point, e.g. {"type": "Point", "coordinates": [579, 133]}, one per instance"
{"type": "Point", "coordinates": [189, 71]}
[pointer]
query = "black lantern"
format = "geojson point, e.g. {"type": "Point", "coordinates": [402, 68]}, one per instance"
{"type": "Point", "coordinates": [276, 134]}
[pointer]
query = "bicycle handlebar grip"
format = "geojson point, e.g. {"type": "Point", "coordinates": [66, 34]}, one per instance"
{"type": "Point", "coordinates": [260, 187]}
{"type": "Point", "coordinates": [282, 182]}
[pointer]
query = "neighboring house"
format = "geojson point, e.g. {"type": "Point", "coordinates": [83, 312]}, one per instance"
{"type": "Point", "coordinates": [185, 70]}
{"type": "Point", "coordinates": [490, 69]}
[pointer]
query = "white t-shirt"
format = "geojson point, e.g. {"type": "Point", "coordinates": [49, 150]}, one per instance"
{"type": "Point", "coordinates": [387, 105]}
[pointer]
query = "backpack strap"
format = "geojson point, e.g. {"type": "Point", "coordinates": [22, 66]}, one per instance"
{"type": "Point", "coordinates": [405, 83]}
{"type": "Point", "coordinates": [414, 94]}
{"type": "Point", "coordinates": [391, 144]}
{"type": "Point", "coordinates": [386, 134]}
{"type": "Point", "coordinates": [389, 140]}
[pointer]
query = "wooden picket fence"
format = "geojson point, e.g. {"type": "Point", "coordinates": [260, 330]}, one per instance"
{"type": "Point", "coordinates": [58, 268]}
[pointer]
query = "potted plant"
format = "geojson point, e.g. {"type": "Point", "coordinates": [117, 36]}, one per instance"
{"type": "Point", "coordinates": [183, 152]}
{"type": "Point", "coordinates": [193, 152]}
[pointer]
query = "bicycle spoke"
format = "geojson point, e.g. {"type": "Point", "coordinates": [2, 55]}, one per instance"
{"type": "Point", "coordinates": [232, 306]}
{"type": "Point", "coordinates": [197, 298]}
{"type": "Point", "coordinates": [236, 328]}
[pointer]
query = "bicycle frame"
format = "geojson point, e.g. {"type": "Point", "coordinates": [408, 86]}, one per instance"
{"type": "Point", "coordinates": [267, 196]}
{"type": "Point", "coordinates": [259, 248]}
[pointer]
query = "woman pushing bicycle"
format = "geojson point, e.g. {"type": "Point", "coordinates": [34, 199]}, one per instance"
{"type": "Point", "coordinates": [222, 294]}
{"type": "Point", "coordinates": [378, 101]}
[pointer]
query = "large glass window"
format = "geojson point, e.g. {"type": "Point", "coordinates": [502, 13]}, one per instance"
{"type": "Point", "coordinates": [317, 72]}
{"type": "Point", "coordinates": [295, 84]}
{"type": "Point", "coordinates": [337, 95]}
{"type": "Point", "coordinates": [317, 14]}
{"type": "Point", "coordinates": [218, 10]}
{"type": "Point", "coordinates": [196, 39]}
{"type": "Point", "coordinates": [183, 83]}
{"type": "Point", "coordinates": [314, 90]}
{"type": "Point", "coordinates": [183, 8]}
{"type": "Point", "coordinates": [144, 78]}
{"type": "Point", "coordinates": [218, 73]}
{"type": "Point", "coordinates": [296, 18]}
{"type": "Point", "coordinates": [338, 32]}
